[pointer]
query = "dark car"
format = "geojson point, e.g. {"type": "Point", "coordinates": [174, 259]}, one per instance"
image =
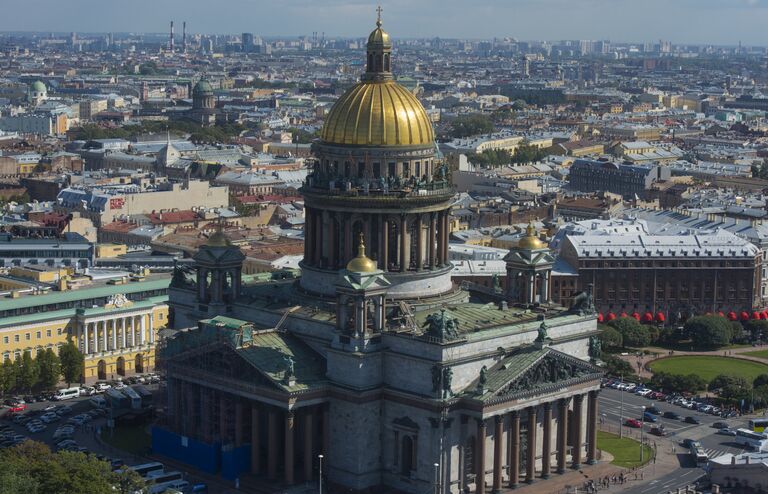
{"type": "Point", "coordinates": [653, 410]}
{"type": "Point", "coordinates": [671, 415]}
{"type": "Point", "coordinates": [649, 417]}
{"type": "Point", "coordinates": [720, 425]}
{"type": "Point", "coordinates": [687, 442]}
{"type": "Point", "coordinates": [658, 431]}
{"type": "Point", "coordinates": [692, 420]}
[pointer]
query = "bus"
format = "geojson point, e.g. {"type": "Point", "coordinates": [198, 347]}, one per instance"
{"type": "Point", "coordinates": [758, 425]}
{"type": "Point", "coordinates": [159, 481]}
{"type": "Point", "coordinates": [146, 468]}
{"type": "Point", "coordinates": [698, 453]}
{"type": "Point", "coordinates": [755, 440]}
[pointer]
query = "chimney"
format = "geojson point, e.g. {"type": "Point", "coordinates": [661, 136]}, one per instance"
{"type": "Point", "coordinates": [170, 39]}
{"type": "Point", "coordinates": [184, 36]}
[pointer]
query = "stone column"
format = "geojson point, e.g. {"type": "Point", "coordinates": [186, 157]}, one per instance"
{"type": "Point", "coordinates": [255, 450]}
{"type": "Point", "coordinates": [238, 424]}
{"type": "Point", "coordinates": [272, 444]}
{"type": "Point", "coordinates": [530, 469]}
{"type": "Point", "coordinates": [152, 328]}
{"type": "Point", "coordinates": [132, 330]}
{"type": "Point", "coordinates": [577, 440]}
{"type": "Point", "coordinates": [440, 239]}
{"type": "Point", "coordinates": [562, 434]}
{"type": "Point", "coordinates": [289, 422]}
{"type": "Point", "coordinates": [514, 450]}
{"type": "Point", "coordinates": [546, 451]}
{"type": "Point", "coordinates": [403, 246]}
{"type": "Point", "coordinates": [347, 240]}
{"type": "Point", "coordinates": [592, 427]}
{"type": "Point", "coordinates": [308, 450]}
{"type": "Point", "coordinates": [432, 234]}
{"type": "Point", "coordinates": [123, 343]}
{"type": "Point", "coordinates": [143, 327]}
{"type": "Point", "coordinates": [498, 432]}
{"type": "Point", "coordinates": [113, 335]}
{"type": "Point", "coordinates": [384, 256]}
{"type": "Point", "coordinates": [86, 344]}
{"type": "Point", "coordinates": [333, 240]}
{"type": "Point", "coordinates": [419, 244]}
{"type": "Point", "coordinates": [223, 418]}
{"type": "Point", "coordinates": [326, 430]}
{"type": "Point", "coordinates": [480, 454]}
{"type": "Point", "coordinates": [319, 234]}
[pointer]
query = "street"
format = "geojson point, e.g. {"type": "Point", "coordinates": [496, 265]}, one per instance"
{"type": "Point", "coordinates": [611, 415]}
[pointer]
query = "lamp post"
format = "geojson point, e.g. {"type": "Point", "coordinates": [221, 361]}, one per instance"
{"type": "Point", "coordinates": [621, 409]}
{"type": "Point", "coordinates": [320, 478]}
{"type": "Point", "coordinates": [642, 426]}
{"type": "Point", "coordinates": [437, 478]}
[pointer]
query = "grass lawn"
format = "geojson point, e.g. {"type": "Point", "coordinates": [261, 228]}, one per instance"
{"type": "Point", "coordinates": [132, 438]}
{"type": "Point", "coordinates": [758, 353]}
{"type": "Point", "coordinates": [709, 367]}
{"type": "Point", "coordinates": [625, 451]}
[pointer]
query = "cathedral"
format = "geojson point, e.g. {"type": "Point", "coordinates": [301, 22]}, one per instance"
{"type": "Point", "coordinates": [373, 363]}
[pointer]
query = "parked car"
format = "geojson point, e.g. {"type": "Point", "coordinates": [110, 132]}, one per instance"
{"type": "Point", "coordinates": [671, 415]}
{"type": "Point", "coordinates": [653, 410]}
{"type": "Point", "coordinates": [49, 417]}
{"type": "Point", "coordinates": [720, 425]}
{"type": "Point", "coordinates": [649, 417]}
{"type": "Point", "coordinates": [692, 420]}
{"type": "Point", "coordinates": [18, 407]}
{"type": "Point", "coordinates": [658, 431]}
{"type": "Point", "coordinates": [727, 431]}
{"type": "Point", "coordinates": [633, 423]}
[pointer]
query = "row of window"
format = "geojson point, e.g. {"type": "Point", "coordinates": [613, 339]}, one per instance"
{"type": "Point", "coordinates": [38, 335]}
{"type": "Point", "coordinates": [32, 351]}
{"type": "Point", "coordinates": [86, 303]}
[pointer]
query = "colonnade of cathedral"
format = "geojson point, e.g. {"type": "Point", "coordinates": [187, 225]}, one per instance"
{"type": "Point", "coordinates": [557, 430]}
{"type": "Point", "coordinates": [398, 242]}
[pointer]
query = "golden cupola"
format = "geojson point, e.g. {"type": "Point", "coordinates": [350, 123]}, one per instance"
{"type": "Point", "coordinates": [378, 111]}
{"type": "Point", "coordinates": [361, 263]}
{"type": "Point", "coordinates": [531, 241]}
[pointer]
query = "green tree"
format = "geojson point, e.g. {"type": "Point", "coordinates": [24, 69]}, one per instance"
{"type": "Point", "coordinates": [72, 363]}
{"type": "Point", "coordinates": [63, 472]}
{"type": "Point", "coordinates": [709, 331]}
{"type": "Point", "coordinates": [49, 367]}
{"type": "Point", "coordinates": [729, 387]}
{"type": "Point", "coordinates": [676, 383]}
{"type": "Point", "coordinates": [633, 333]}
{"type": "Point", "coordinates": [760, 380]}
{"type": "Point", "coordinates": [470, 125]}
{"type": "Point", "coordinates": [615, 366]}
{"type": "Point", "coordinates": [8, 377]}
{"type": "Point", "coordinates": [757, 328]}
{"type": "Point", "coordinates": [27, 373]}
{"type": "Point", "coordinates": [610, 338]}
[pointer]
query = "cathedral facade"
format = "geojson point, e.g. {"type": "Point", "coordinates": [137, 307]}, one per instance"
{"type": "Point", "coordinates": [373, 359]}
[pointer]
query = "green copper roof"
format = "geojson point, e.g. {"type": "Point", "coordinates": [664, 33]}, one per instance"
{"type": "Point", "coordinates": [54, 297]}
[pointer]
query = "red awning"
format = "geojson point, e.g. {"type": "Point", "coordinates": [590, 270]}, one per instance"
{"type": "Point", "coordinates": [756, 315]}
{"type": "Point", "coordinates": [660, 317]}
{"type": "Point", "coordinates": [636, 316]}
{"type": "Point", "coordinates": [648, 317]}
{"type": "Point", "coordinates": [600, 317]}
{"type": "Point", "coordinates": [744, 316]}
{"type": "Point", "coordinates": [611, 316]}
{"type": "Point", "coordinates": [623, 314]}
{"type": "Point", "coordinates": [721, 314]}
{"type": "Point", "coordinates": [732, 316]}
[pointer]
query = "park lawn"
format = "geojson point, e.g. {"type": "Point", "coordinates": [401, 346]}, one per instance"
{"type": "Point", "coordinates": [708, 367]}
{"type": "Point", "coordinates": [625, 451]}
{"type": "Point", "coordinates": [131, 438]}
{"type": "Point", "coordinates": [758, 353]}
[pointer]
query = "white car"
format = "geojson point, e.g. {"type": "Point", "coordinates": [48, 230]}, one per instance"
{"type": "Point", "coordinates": [101, 387]}
{"type": "Point", "coordinates": [120, 385]}
{"type": "Point", "coordinates": [49, 417]}
{"type": "Point", "coordinates": [644, 392]}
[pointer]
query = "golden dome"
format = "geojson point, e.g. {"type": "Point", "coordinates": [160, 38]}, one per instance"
{"type": "Point", "coordinates": [361, 263]}
{"type": "Point", "coordinates": [378, 113]}
{"type": "Point", "coordinates": [531, 241]}
{"type": "Point", "coordinates": [379, 37]}
{"type": "Point", "coordinates": [218, 239]}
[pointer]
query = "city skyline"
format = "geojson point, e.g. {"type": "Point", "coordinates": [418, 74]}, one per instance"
{"type": "Point", "coordinates": [544, 19]}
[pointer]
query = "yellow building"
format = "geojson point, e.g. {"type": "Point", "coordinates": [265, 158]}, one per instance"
{"type": "Point", "coordinates": [111, 250]}
{"type": "Point", "coordinates": [115, 325]}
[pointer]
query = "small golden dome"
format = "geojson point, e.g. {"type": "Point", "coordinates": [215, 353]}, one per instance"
{"type": "Point", "coordinates": [379, 36]}
{"type": "Point", "coordinates": [361, 263]}
{"type": "Point", "coordinates": [218, 239]}
{"type": "Point", "coordinates": [530, 241]}
{"type": "Point", "coordinates": [378, 113]}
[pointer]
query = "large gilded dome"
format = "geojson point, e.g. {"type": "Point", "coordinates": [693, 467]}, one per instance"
{"type": "Point", "coordinates": [378, 113]}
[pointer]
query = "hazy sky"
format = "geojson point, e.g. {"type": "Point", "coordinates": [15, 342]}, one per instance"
{"type": "Point", "coordinates": [681, 21]}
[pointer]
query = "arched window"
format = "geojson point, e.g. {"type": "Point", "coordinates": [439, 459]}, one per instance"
{"type": "Point", "coordinates": [370, 62]}
{"type": "Point", "coordinates": [386, 63]}
{"type": "Point", "coordinates": [407, 455]}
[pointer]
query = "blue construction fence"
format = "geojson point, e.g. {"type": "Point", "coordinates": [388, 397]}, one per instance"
{"type": "Point", "coordinates": [229, 461]}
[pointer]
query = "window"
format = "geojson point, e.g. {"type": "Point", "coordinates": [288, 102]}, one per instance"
{"type": "Point", "coordinates": [59, 331]}
{"type": "Point", "coordinates": [28, 336]}
{"type": "Point", "coordinates": [48, 333]}
{"type": "Point", "coordinates": [39, 335]}
{"type": "Point", "coordinates": [16, 338]}
{"type": "Point", "coordinates": [5, 340]}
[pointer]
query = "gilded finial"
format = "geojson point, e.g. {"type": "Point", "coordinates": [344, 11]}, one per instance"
{"type": "Point", "coordinates": [361, 263]}
{"type": "Point", "coordinates": [531, 230]}
{"type": "Point", "coordinates": [361, 245]}
{"type": "Point", "coordinates": [378, 16]}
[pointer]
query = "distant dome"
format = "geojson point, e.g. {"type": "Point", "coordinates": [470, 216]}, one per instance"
{"type": "Point", "coordinates": [38, 87]}
{"type": "Point", "coordinates": [361, 263]}
{"type": "Point", "coordinates": [531, 241]}
{"type": "Point", "coordinates": [202, 88]}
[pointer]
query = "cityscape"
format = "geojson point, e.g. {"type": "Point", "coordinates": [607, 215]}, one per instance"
{"type": "Point", "coordinates": [412, 250]}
